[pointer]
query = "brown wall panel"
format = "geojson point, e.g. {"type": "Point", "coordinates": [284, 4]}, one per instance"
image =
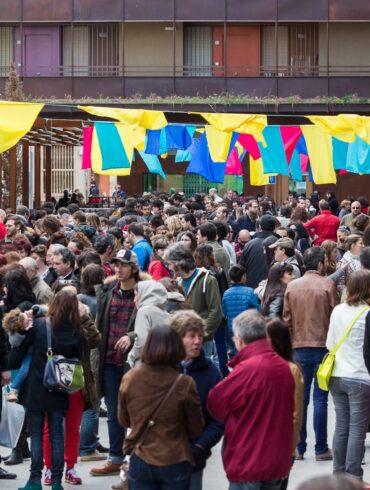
{"type": "Point", "coordinates": [349, 10]}
{"type": "Point", "coordinates": [341, 86]}
{"type": "Point", "coordinates": [132, 184]}
{"type": "Point", "coordinates": [145, 86]}
{"type": "Point", "coordinates": [97, 87]}
{"type": "Point", "coordinates": [203, 86]}
{"type": "Point", "coordinates": [255, 87]}
{"type": "Point", "coordinates": [47, 87]}
{"type": "Point", "coordinates": [293, 10]}
{"type": "Point", "coordinates": [304, 87]}
{"type": "Point", "coordinates": [44, 10]}
{"type": "Point", "coordinates": [347, 185]}
{"type": "Point", "coordinates": [10, 10]}
{"type": "Point", "coordinates": [204, 10]}
{"type": "Point", "coordinates": [92, 10]}
{"type": "Point", "coordinates": [149, 10]}
{"type": "Point", "coordinates": [239, 11]}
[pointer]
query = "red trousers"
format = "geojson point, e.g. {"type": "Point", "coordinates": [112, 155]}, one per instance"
{"type": "Point", "coordinates": [72, 422]}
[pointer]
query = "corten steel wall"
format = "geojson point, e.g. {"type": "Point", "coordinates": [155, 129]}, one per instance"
{"type": "Point", "coordinates": [183, 11]}
{"type": "Point", "coordinates": [348, 185]}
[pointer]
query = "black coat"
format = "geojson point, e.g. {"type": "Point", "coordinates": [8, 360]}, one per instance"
{"type": "Point", "coordinates": [66, 341]}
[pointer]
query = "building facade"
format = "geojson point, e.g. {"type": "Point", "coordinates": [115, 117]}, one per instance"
{"type": "Point", "coordinates": [130, 49]}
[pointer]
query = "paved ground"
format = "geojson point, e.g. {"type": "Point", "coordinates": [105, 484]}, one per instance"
{"type": "Point", "coordinates": [214, 478]}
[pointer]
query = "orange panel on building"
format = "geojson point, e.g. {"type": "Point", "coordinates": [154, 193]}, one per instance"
{"type": "Point", "coordinates": [243, 51]}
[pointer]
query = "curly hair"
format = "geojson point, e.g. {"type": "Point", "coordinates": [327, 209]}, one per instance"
{"type": "Point", "coordinates": [13, 321]}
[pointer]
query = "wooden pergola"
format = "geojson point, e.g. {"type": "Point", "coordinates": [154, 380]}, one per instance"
{"type": "Point", "coordinates": [44, 133]}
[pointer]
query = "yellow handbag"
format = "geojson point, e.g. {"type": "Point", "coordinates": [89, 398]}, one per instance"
{"type": "Point", "coordinates": [327, 365]}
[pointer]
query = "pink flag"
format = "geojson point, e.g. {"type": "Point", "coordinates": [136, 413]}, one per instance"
{"type": "Point", "coordinates": [86, 152]}
{"type": "Point", "coordinates": [290, 135]}
{"type": "Point", "coordinates": [250, 144]}
{"type": "Point", "coordinates": [304, 162]}
{"type": "Point", "coordinates": [233, 165]}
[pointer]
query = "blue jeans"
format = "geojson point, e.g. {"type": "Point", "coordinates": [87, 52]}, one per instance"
{"type": "Point", "coordinates": [22, 374]}
{"type": "Point", "coordinates": [309, 358]}
{"type": "Point", "coordinates": [256, 485]}
{"type": "Point", "coordinates": [56, 433]}
{"type": "Point", "coordinates": [220, 341]}
{"type": "Point", "coordinates": [143, 476]}
{"type": "Point", "coordinates": [196, 482]}
{"type": "Point", "coordinates": [89, 431]}
{"type": "Point", "coordinates": [351, 401]}
{"type": "Point", "coordinates": [112, 376]}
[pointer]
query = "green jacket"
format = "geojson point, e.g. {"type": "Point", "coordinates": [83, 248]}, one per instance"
{"type": "Point", "coordinates": [204, 297]}
{"type": "Point", "coordinates": [103, 298]}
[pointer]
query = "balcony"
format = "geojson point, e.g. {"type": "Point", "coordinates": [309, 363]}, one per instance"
{"type": "Point", "coordinates": [306, 82]}
{"type": "Point", "coordinates": [191, 10]}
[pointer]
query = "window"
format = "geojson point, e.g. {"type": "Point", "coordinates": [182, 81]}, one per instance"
{"type": "Point", "coordinates": [198, 51]}
{"type": "Point", "coordinates": [91, 50]}
{"type": "Point", "coordinates": [6, 50]}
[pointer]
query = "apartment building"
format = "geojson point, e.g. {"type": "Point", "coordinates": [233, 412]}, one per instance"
{"type": "Point", "coordinates": [71, 49]}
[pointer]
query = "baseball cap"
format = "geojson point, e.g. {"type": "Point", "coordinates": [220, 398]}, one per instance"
{"type": "Point", "coordinates": [125, 257]}
{"type": "Point", "coordinates": [284, 243]}
{"type": "Point", "coordinates": [268, 222]}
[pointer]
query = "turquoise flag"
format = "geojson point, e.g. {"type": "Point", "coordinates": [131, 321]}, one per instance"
{"type": "Point", "coordinates": [274, 158]}
{"type": "Point", "coordinates": [111, 146]}
{"type": "Point", "coordinates": [153, 164]}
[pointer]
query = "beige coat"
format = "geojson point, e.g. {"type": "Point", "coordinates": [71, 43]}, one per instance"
{"type": "Point", "coordinates": [298, 402]}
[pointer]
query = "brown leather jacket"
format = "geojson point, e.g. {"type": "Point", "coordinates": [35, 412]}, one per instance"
{"type": "Point", "coordinates": [168, 441]}
{"type": "Point", "coordinates": [308, 303]}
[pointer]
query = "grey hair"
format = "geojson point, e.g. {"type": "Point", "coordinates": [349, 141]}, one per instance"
{"type": "Point", "coordinates": [28, 263]}
{"type": "Point", "coordinates": [249, 326]}
{"type": "Point", "coordinates": [323, 204]}
{"type": "Point", "coordinates": [180, 256]}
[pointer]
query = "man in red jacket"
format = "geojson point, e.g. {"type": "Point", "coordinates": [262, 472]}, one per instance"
{"type": "Point", "coordinates": [256, 403]}
{"type": "Point", "coordinates": [324, 226]}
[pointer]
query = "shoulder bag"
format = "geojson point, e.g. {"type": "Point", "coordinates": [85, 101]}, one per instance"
{"type": "Point", "coordinates": [327, 365]}
{"type": "Point", "coordinates": [61, 374]}
{"type": "Point", "coordinates": [152, 421]}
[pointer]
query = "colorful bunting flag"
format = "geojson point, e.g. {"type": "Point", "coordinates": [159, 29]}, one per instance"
{"type": "Point", "coordinates": [250, 144]}
{"type": "Point", "coordinates": [320, 151]}
{"type": "Point", "coordinates": [290, 136]}
{"type": "Point", "coordinates": [202, 163]}
{"type": "Point", "coordinates": [153, 164]}
{"type": "Point", "coordinates": [86, 150]}
{"type": "Point", "coordinates": [116, 153]}
{"type": "Point", "coordinates": [273, 154]}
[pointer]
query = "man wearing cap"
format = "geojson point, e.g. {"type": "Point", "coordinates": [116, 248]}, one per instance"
{"type": "Point", "coordinates": [324, 226]}
{"type": "Point", "coordinates": [284, 251]}
{"type": "Point", "coordinates": [115, 319]}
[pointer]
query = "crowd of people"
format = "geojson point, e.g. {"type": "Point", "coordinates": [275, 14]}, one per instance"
{"type": "Point", "coordinates": [193, 320]}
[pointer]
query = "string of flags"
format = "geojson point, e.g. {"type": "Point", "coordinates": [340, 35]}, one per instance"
{"type": "Point", "coordinates": [327, 145]}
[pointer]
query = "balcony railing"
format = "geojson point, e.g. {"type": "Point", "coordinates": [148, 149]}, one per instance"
{"type": "Point", "coordinates": [294, 70]}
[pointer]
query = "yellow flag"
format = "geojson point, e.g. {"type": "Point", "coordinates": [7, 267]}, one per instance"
{"type": "Point", "coordinates": [16, 119]}
{"type": "Point", "coordinates": [240, 123]}
{"type": "Point", "coordinates": [320, 152]}
{"type": "Point", "coordinates": [97, 160]}
{"type": "Point", "coordinates": [130, 117]}
{"type": "Point", "coordinates": [257, 177]}
{"type": "Point", "coordinates": [345, 127]}
{"type": "Point", "coordinates": [218, 143]}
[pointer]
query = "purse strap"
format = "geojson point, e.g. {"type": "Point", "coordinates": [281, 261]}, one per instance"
{"type": "Point", "coordinates": [151, 421]}
{"type": "Point", "coordinates": [343, 338]}
{"type": "Point", "coordinates": [48, 336]}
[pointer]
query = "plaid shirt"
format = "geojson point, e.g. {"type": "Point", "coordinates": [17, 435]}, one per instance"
{"type": "Point", "coordinates": [120, 311]}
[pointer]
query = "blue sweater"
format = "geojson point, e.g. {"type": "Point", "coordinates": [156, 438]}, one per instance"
{"type": "Point", "coordinates": [144, 254]}
{"type": "Point", "coordinates": [237, 299]}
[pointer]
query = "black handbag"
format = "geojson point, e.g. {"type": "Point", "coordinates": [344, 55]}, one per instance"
{"type": "Point", "coordinates": [61, 374]}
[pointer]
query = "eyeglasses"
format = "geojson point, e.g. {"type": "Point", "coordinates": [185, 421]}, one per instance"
{"type": "Point", "coordinates": [344, 228]}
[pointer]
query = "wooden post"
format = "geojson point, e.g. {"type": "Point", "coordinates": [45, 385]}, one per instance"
{"type": "Point", "coordinates": [13, 178]}
{"type": "Point", "coordinates": [47, 173]}
{"type": "Point", "coordinates": [25, 174]}
{"type": "Point", "coordinates": [37, 177]}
